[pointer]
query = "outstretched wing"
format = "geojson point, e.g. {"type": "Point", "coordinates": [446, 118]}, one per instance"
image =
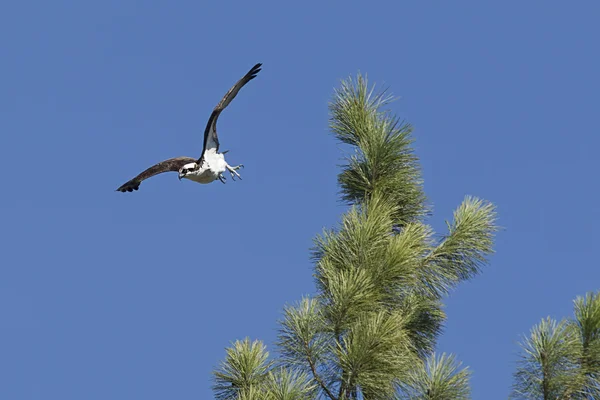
{"type": "Point", "coordinates": [172, 164]}
{"type": "Point", "coordinates": [211, 140]}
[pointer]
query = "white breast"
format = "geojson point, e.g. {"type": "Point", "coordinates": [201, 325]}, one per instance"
{"type": "Point", "coordinates": [209, 171]}
{"type": "Point", "coordinates": [216, 162]}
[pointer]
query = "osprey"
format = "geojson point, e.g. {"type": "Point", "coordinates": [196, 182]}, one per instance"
{"type": "Point", "coordinates": [211, 164]}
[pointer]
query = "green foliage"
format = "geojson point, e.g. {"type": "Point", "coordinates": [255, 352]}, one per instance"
{"type": "Point", "coordinates": [302, 336]}
{"type": "Point", "coordinates": [438, 378]}
{"type": "Point", "coordinates": [383, 159]}
{"type": "Point", "coordinates": [561, 360]}
{"type": "Point", "coordinates": [371, 328]}
{"type": "Point", "coordinates": [464, 250]}
{"type": "Point", "coordinates": [246, 374]}
{"type": "Point", "coordinates": [283, 384]}
{"type": "Point", "coordinates": [546, 366]}
{"type": "Point", "coordinates": [374, 353]}
{"type": "Point", "coordinates": [243, 372]}
{"type": "Point", "coordinates": [586, 326]}
{"type": "Point", "coordinates": [423, 321]}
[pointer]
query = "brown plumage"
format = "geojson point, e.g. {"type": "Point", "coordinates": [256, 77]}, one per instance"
{"type": "Point", "coordinates": [172, 164]}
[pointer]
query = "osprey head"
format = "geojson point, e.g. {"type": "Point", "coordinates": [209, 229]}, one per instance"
{"type": "Point", "coordinates": [186, 169]}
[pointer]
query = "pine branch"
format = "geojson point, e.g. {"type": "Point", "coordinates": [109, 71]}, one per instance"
{"type": "Point", "coordinates": [375, 352]}
{"type": "Point", "coordinates": [315, 374]}
{"type": "Point", "coordinates": [547, 367]}
{"type": "Point", "coordinates": [302, 340]}
{"type": "Point", "coordinates": [586, 327]}
{"type": "Point", "coordinates": [383, 159]}
{"type": "Point", "coordinates": [464, 250]}
{"type": "Point", "coordinates": [439, 378]}
{"type": "Point", "coordinates": [424, 318]}
{"type": "Point", "coordinates": [243, 371]}
{"type": "Point", "coordinates": [282, 384]}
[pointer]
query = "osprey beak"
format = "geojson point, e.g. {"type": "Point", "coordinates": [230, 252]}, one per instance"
{"type": "Point", "coordinates": [181, 176]}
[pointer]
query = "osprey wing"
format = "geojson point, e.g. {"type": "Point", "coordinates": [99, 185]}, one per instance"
{"type": "Point", "coordinates": [172, 164]}
{"type": "Point", "coordinates": [211, 140]}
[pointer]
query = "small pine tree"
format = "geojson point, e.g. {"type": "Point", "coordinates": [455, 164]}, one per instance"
{"type": "Point", "coordinates": [561, 360]}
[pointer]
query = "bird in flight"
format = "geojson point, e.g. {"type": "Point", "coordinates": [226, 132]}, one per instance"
{"type": "Point", "coordinates": [211, 164]}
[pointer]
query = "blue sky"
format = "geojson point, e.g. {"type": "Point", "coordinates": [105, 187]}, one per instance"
{"type": "Point", "coordinates": [121, 296]}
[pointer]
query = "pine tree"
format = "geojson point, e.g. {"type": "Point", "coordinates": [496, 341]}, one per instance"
{"type": "Point", "coordinates": [381, 277]}
{"type": "Point", "coordinates": [561, 360]}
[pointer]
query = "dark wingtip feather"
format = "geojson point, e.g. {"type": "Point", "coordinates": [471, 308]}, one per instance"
{"type": "Point", "coordinates": [254, 71]}
{"type": "Point", "coordinates": [128, 187]}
